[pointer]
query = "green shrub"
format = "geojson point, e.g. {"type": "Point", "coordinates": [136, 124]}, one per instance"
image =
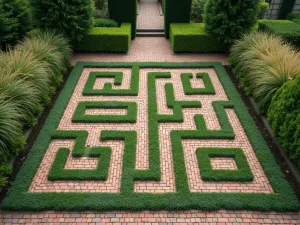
{"type": "Point", "coordinates": [264, 62]}
{"type": "Point", "coordinates": [228, 19]}
{"type": "Point", "coordinates": [124, 11]}
{"type": "Point", "coordinates": [197, 10]}
{"type": "Point", "coordinates": [293, 16]}
{"type": "Point", "coordinates": [14, 21]}
{"type": "Point", "coordinates": [107, 39]}
{"type": "Point", "coordinates": [289, 30]}
{"type": "Point", "coordinates": [100, 22]}
{"type": "Point", "coordinates": [263, 8]}
{"type": "Point", "coordinates": [100, 4]}
{"type": "Point", "coordinates": [101, 13]}
{"type": "Point", "coordinates": [73, 17]}
{"type": "Point", "coordinates": [284, 118]}
{"type": "Point", "coordinates": [191, 37]}
{"type": "Point", "coordinates": [5, 171]}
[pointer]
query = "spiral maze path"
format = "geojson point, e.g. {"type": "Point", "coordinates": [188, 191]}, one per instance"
{"type": "Point", "coordinates": [150, 136]}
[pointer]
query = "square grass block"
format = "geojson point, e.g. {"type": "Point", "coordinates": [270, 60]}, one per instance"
{"type": "Point", "coordinates": [80, 116]}
{"type": "Point", "coordinates": [242, 173]}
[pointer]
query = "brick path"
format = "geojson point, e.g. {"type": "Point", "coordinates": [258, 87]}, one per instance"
{"type": "Point", "coordinates": [150, 49]}
{"type": "Point", "coordinates": [149, 16]}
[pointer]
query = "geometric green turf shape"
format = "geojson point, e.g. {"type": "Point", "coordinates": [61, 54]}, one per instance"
{"type": "Point", "coordinates": [58, 172]}
{"type": "Point", "coordinates": [19, 198]}
{"type": "Point", "coordinates": [108, 90]}
{"type": "Point", "coordinates": [130, 117]}
{"type": "Point", "coordinates": [242, 173]}
{"type": "Point", "coordinates": [189, 90]}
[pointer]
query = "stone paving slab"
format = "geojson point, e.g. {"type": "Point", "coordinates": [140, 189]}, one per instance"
{"type": "Point", "coordinates": [150, 49]}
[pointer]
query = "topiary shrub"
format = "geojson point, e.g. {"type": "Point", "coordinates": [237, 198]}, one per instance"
{"type": "Point", "coordinates": [14, 21]}
{"type": "Point", "coordinates": [263, 8]}
{"type": "Point", "coordinates": [197, 10]}
{"type": "Point", "coordinates": [72, 17]}
{"type": "Point", "coordinates": [228, 19]}
{"type": "Point", "coordinates": [284, 118]}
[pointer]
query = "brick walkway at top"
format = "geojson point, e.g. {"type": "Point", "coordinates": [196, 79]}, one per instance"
{"type": "Point", "coordinates": [149, 16]}
{"type": "Point", "coordinates": [150, 49]}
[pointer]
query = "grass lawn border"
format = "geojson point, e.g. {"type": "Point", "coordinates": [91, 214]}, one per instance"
{"type": "Point", "coordinates": [283, 198]}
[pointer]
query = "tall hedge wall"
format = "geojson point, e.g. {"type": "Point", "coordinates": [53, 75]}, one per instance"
{"type": "Point", "coordinates": [176, 11]}
{"type": "Point", "coordinates": [124, 11]}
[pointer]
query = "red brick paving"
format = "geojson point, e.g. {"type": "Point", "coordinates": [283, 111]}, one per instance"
{"type": "Point", "coordinates": [149, 16]}
{"type": "Point", "coordinates": [221, 217]}
{"type": "Point", "coordinates": [150, 49]}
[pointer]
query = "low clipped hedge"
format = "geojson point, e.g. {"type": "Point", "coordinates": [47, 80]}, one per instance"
{"type": "Point", "coordinates": [284, 28]}
{"type": "Point", "coordinates": [293, 16]}
{"type": "Point", "coordinates": [102, 22]}
{"type": "Point", "coordinates": [106, 39]}
{"type": "Point", "coordinates": [191, 37]}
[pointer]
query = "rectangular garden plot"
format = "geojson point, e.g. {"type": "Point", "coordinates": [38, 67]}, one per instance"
{"type": "Point", "coordinates": [134, 136]}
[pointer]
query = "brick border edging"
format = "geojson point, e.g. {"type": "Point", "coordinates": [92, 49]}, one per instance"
{"type": "Point", "coordinates": [291, 166]}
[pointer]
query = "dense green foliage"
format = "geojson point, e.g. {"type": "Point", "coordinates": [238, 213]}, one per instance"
{"type": "Point", "coordinates": [289, 30]}
{"type": "Point", "coordinates": [124, 11]}
{"type": "Point", "coordinates": [191, 37]}
{"type": "Point", "coordinates": [19, 198]}
{"type": "Point", "coordinates": [284, 118]}
{"type": "Point", "coordinates": [263, 8]}
{"type": "Point", "coordinates": [26, 85]}
{"type": "Point", "coordinates": [227, 20]}
{"type": "Point", "coordinates": [72, 18]}
{"type": "Point", "coordinates": [14, 21]}
{"type": "Point", "coordinates": [100, 4]}
{"type": "Point", "coordinates": [197, 10]}
{"type": "Point", "coordinates": [101, 22]}
{"type": "Point", "coordinates": [107, 39]}
{"type": "Point", "coordinates": [264, 62]}
{"type": "Point", "coordinates": [293, 16]}
{"type": "Point", "coordinates": [176, 11]}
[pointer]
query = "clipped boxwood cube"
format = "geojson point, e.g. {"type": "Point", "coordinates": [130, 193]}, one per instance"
{"type": "Point", "coordinates": [191, 37]}
{"type": "Point", "coordinates": [106, 39]}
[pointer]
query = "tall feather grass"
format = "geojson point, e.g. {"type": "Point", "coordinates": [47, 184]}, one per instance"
{"type": "Point", "coordinates": [264, 62]}
{"type": "Point", "coordinates": [27, 75]}
{"type": "Point", "coordinates": [10, 126]}
{"type": "Point", "coordinates": [56, 40]}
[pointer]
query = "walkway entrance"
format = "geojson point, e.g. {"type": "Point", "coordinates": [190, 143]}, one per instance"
{"type": "Point", "coordinates": [150, 20]}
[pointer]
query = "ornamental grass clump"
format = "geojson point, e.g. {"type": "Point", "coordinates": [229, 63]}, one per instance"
{"type": "Point", "coordinates": [54, 51]}
{"type": "Point", "coordinates": [29, 75]}
{"type": "Point", "coordinates": [264, 62]}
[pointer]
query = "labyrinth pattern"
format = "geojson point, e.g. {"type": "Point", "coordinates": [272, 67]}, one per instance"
{"type": "Point", "coordinates": [149, 136]}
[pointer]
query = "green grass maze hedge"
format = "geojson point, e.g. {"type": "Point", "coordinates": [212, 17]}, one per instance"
{"type": "Point", "coordinates": [19, 198]}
